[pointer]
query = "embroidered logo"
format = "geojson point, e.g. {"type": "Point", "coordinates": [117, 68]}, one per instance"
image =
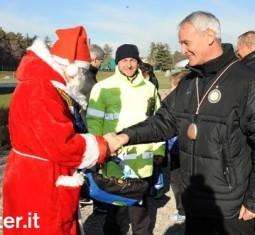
{"type": "Point", "coordinates": [214, 96]}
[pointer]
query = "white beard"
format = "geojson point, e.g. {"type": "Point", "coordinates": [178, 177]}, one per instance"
{"type": "Point", "coordinates": [73, 88]}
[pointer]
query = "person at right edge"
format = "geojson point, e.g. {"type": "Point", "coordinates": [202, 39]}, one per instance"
{"type": "Point", "coordinates": [245, 49]}
{"type": "Point", "coordinates": [212, 112]}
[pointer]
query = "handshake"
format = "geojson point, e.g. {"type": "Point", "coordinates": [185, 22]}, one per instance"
{"type": "Point", "coordinates": [115, 141]}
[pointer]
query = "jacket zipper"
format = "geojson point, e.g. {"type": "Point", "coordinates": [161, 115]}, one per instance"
{"type": "Point", "coordinates": [192, 159]}
{"type": "Point", "coordinates": [227, 177]}
{"type": "Point", "coordinates": [226, 167]}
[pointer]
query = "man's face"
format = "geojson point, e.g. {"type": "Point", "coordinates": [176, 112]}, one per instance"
{"type": "Point", "coordinates": [242, 50]}
{"type": "Point", "coordinates": [95, 61]}
{"type": "Point", "coordinates": [128, 66]}
{"type": "Point", "coordinates": [194, 44]}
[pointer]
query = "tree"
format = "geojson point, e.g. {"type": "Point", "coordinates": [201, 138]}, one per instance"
{"type": "Point", "coordinates": [160, 56]}
{"type": "Point", "coordinates": [163, 57]}
{"type": "Point", "coordinates": [108, 63]}
{"type": "Point", "coordinates": [178, 56]}
{"type": "Point", "coordinates": [151, 58]}
{"type": "Point", "coordinates": [108, 51]}
{"type": "Point", "coordinates": [12, 48]}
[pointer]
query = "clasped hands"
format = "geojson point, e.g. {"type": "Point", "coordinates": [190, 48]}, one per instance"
{"type": "Point", "coordinates": [115, 141]}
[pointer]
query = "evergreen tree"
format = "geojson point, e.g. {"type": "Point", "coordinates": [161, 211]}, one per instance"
{"type": "Point", "coordinates": [151, 58]}
{"type": "Point", "coordinates": [178, 56]}
{"type": "Point", "coordinates": [12, 48]}
{"type": "Point", "coordinates": [160, 56]}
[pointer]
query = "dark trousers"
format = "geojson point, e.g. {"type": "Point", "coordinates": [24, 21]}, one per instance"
{"type": "Point", "coordinates": [201, 226]}
{"type": "Point", "coordinates": [177, 188]}
{"type": "Point", "coordinates": [118, 218]}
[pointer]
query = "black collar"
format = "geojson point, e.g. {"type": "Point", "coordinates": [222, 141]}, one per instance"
{"type": "Point", "coordinates": [215, 65]}
{"type": "Point", "coordinates": [93, 69]}
{"type": "Point", "coordinates": [249, 58]}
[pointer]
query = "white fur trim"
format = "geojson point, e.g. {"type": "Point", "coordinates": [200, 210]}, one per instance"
{"type": "Point", "coordinates": [82, 64]}
{"type": "Point", "coordinates": [72, 70]}
{"type": "Point", "coordinates": [75, 180]}
{"type": "Point", "coordinates": [91, 153]}
{"type": "Point", "coordinates": [55, 62]}
{"type": "Point", "coordinates": [64, 61]}
{"type": "Point", "coordinates": [61, 60]}
{"type": "Point", "coordinates": [41, 50]}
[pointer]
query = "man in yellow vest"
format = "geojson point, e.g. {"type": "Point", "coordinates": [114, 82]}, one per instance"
{"type": "Point", "coordinates": [122, 100]}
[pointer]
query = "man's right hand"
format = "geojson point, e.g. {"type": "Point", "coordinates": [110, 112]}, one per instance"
{"type": "Point", "coordinates": [116, 141]}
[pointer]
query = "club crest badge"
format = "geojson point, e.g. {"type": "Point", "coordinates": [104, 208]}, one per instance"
{"type": "Point", "coordinates": [214, 96]}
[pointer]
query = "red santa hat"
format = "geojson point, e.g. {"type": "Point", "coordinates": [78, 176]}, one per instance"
{"type": "Point", "coordinates": [71, 49]}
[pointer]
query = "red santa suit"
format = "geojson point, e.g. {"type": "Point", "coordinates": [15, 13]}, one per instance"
{"type": "Point", "coordinates": [40, 183]}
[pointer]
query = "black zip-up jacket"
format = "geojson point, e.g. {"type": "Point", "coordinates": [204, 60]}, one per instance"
{"type": "Point", "coordinates": [216, 168]}
{"type": "Point", "coordinates": [90, 81]}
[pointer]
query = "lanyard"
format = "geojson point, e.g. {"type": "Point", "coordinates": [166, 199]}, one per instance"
{"type": "Point", "coordinates": [199, 102]}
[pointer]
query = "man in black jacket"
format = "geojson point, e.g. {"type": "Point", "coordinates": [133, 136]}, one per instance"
{"type": "Point", "coordinates": [97, 56]}
{"type": "Point", "coordinates": [213, 113]}
{"type": "Point", "coordinates": [246, 49]}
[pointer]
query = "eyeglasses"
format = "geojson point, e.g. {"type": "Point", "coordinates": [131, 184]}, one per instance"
{"type": "Point", "coordinates": [100, 60]}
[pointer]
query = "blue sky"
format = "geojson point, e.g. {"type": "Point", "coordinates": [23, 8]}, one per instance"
{"type": "Point", "coordinates": [123, 21]}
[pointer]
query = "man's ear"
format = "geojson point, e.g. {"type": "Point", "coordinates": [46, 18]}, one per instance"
{"type": "Point", "coordinates": [211, 36]}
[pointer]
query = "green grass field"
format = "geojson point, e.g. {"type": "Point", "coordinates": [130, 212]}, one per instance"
{"type": "Point", "coordinates": [164, 83]}
{"type": "Point", "coordinates": [6, 77]}
{"type": "Point", "coordinates": [5, 99]}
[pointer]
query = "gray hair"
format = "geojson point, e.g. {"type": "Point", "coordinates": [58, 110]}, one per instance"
{"type": "Point", "coordinates": [203, 21]}
{"type": "Point", "coordinates": [97, 51]}
{"type": "Point", "coordinates": [247, 38]}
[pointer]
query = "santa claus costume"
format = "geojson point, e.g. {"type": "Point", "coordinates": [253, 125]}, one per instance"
{"type": "Point", "coordinates": [41, 185]}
